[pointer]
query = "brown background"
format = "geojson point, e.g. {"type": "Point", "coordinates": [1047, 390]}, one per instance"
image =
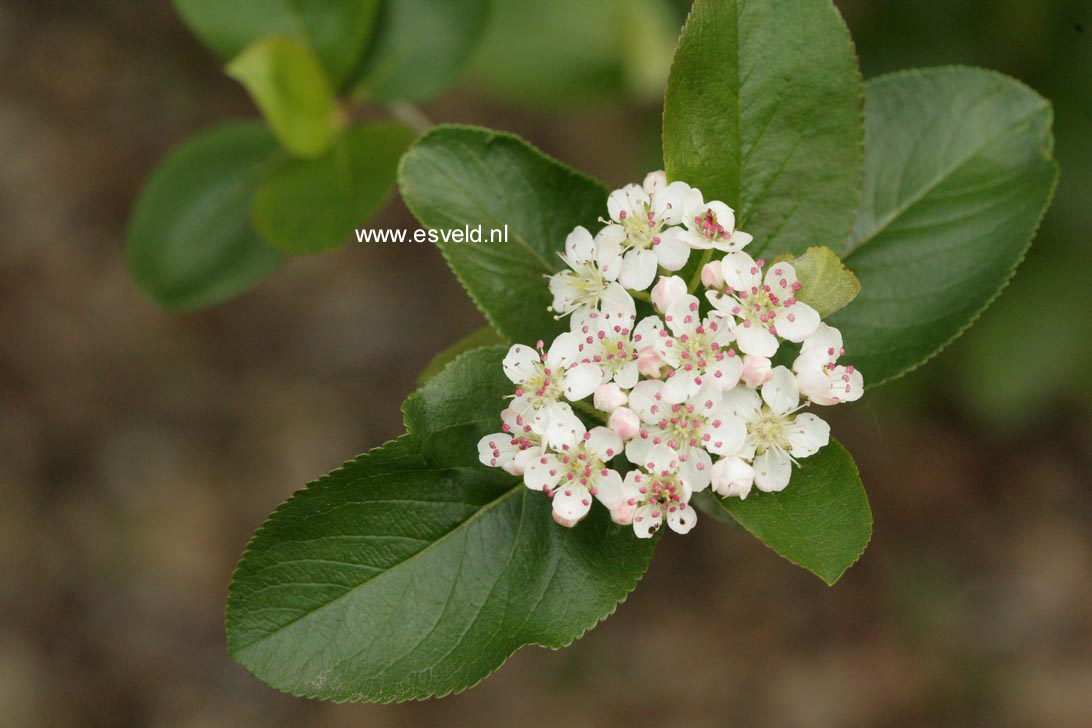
{"type": "Point", "coordinates": [139, 450]}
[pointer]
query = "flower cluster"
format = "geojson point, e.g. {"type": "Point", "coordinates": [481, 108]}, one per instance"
{"type": "Point", "coordinates": [689, 395]}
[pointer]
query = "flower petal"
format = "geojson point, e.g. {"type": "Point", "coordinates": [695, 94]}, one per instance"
{"type": "Point", "coordinates": [638, 269]}
{"type": "Point", "coordinates": [580, 381]}
{"type": "Point", "coordinates": [572, 501]}
{"type": "Point", "coordinates": [772, 471]}
{"type": "Point", "coordinates": [806, 435]}
{"type": "Point", "coordinates": [781, 392]}
{"type": "Point", "coordinates": [603, 443]}
{"type": "Point", "coordinates": [671, 252]}
{"type": "Point", "coordinates": [681, 518]}
{"type": "Point", "coordinates": [796, 322]}
{"type": "Point", "coordinates": [521, 364]}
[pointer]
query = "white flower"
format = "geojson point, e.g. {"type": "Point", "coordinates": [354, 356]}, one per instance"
{"type": "Point", "coordinates": [766, 307]}
{"type": "Point", "coordinates": [711, 225]}
{"type": "Point", "coordinates": [544, 378]}
{"type": "Point", "coordinates": [514, 447]}
{"type": "Point", "coordinates": [625, 423]}
{"type": "Point", "coordinates": [697, 350]}
{"type": "Point", "coordinates": [594, 264]}
{"type": "Point", "coordinates": [732, 476]}
{"type": "Point", "coordinates": [711, 275]}
{"type": "Point", "coordinates": [666, 291]}
{"type": "Point", "coordinates": [608, 339]}
{"type": "Point", "coordinates": [648, 498]}
{"type": "Point", "coordinates": [776, 434]}
{"type": "Point", "coordinates": [609, 397]}
{"type": "Point", "coordinates": [574, 470]}
{"type": "Point", "coordinates": [642, 224]}
{"type": "Point", "coordinates": [757, 370]}
{"type": "Point", "coordinates": [702, 425]}
{"type": "Point", "coordinates": [822, 380]}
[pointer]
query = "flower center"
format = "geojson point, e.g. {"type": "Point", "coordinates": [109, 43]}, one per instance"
{"type": "Point", "coordinates": [767, 430]}
{"type": "Point", "coordinates": [642, 229]}
{"type": "Point", "coordinates": [659, 489]}
{"type": "Point", "coordinates": [578, 467]}
{"type": "Point", "coordinates": [709, 227]}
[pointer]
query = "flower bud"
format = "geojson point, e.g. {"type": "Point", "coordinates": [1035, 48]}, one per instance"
{"type": "Point", "coordinates": [655, 181]}
{"type": "Point", "coordinates": [757, 370]}
{"type": "Point", "coordinates": [625, 423]}
{"type": "Point", "coordinates": [668, 290]}
{"type": "Point", "coordinates": [609, 397]}
{"type": "Point", "coordinates": [732, 476]}
{"type": "Point", "coordinates": [712, 276]}
{"type": "Point", "coordinates": [649, 363]}
{"type": "Point", "coordinates": [623, 513]}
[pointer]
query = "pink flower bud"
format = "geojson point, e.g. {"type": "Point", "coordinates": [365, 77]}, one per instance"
{"type": "Point", "coordinates": [622, 514]}
{"type": "Point", "coordinates": [649, 363]}
{"type": "Point", "coordinates": [756, 370]}
{"type": "Point", "coordinates": [712, 276]}
{"type": "Point", "coordinates": [668, 290]}
{"type": "Point", "coordinates": [655, 181]}
{"type": "Point", "coordinates": [609, 397]}
{"type": "Point", "coordinates": [732, 476]}
{"type": "Point", "coordinates": [625, 423]}
{"type": "Point", "coordinates": [566, 522]}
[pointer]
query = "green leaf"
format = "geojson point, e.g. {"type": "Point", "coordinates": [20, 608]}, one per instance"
{"type": "Point", "coordinates": [190, 242]}
{"type": "Point", "coordinates": [825, 283]}
{"type": "Point", "coordinates": [485, 336]}
{"type": "Point", "coordinates": [337, 30]}
{"type": "Point", "coordinates": [456, 176]}
{"type": "Point", "coordinates": [310, 205]}
{"type": "Point", "coordinates": [290, 87]}
{"type": "Point", "coordinates": [763, 112]}
{"type": "Point", "coordinates": [820, 521]}
{"type": "Point", "coordinates": [414, 571]}
{"type": "Point", "coordinates": [958, 174]}
{"type": "Point", "coordinates": [418, 48]}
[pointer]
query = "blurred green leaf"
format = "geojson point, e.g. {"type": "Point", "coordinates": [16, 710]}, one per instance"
{"type": "Point", "coordinates": [763, 112]}
{"type": "Point", "coordinates": [414, 570]}
{"type": "Point", "coordinates": [958, 174]}
{"type": "Point", "coordinates": [310, 205]}
{"type": "Point", "coordinates": [820, 521]}
{"type": "Point", "coordinates": [485, 336]}
{"type": "Point", "coordinates": [289, 85]}
{"type": "Point", "coordinates": [337, 30]}
{"type": "Point", "coordinates": [456, 176]}
{"type": "Point", "coordinates": [190, 241]}
{"type": "Point", "coordinates": [825, 283]}
{"type": "Point", "coordinates": [418, 48]}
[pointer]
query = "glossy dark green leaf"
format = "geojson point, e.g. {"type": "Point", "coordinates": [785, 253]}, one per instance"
{"type": "Point", "coordinates": [289, 85]}
{"type": "Point", "coordinates": [763, 112]}
{"type": "Point", "coordinates": [826, 284]}
{"type": "Point", "coordinates": [456, 176]}
{"type": "Point", "coordinates": [485, 336]}
{"type": "Point", "coordinates": [418, 48]}
{"type": "Point", "coordinates": [190, 241]}
{"type": "Point", "coordinates": [310, 205]}
{"type": "Point", "coordinates": [337, 30]}
{"type": "Point", "coordinates": [820, 521]}
{"type": "Point", "coordinates": [413, 571]}
{"type": "Point", "coordinates": [958, 174]}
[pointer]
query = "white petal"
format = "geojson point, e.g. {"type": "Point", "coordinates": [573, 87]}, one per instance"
{"type": "Point", "coordinates": [693, 206]}
{"type": "Point", "coordinates": [521, 364]}
{"type": "Point", "coordinates": [564, 351]}
{"type": "Point", "coordinates": [626, 375]}
{"type": "Point", "coordinates": [695, 240]}
{"type": "Point", "coordinates": [543, 473]}
{"type": "Point", "coordinates": [580, 381]}
{"type": "Point", "coordinates": [615, 234]}
{"type": "Point", "coordinates": [627, 201]}
{"type": "Point", "coordinates": [806, 435]}
{"type": "Point", "coordinates": [733, 476]}
{"type": "Point", "coordinates": [654, 182]}
{"type": "Point", "coordinates": [572, 501]}
{"type": "Point", "coordinates": [560, 428]}
{"type": "Point", "coordinates": [523, 460]}
{"type": "Point", "coordinates": [671, 252]}
{"type": "Point", "coordinates": [741, 272]}
{"type": "Point", "coordinates": [796, 322]}
{"type": "Point", "coordinates": [754, 339]}
{"type": "Point", "coordinates": [681, 518]}
{"type": "Point", "coordinates": [638, 269]}
{"type": "Point", "coordinates": [743, 403]}
{"type": "Point", "coordinates": [668, 204]}
{"type": "Point", "coordinates": [772, 471]}
{"type": "Point", "coordinates": [781, 392]}
{"type": "Point", "coordinates": [696, 470]}
{"type": "Point", "coordinates": [617, 306]}
{"type": "Point", "coordinates": [608, 488]}
{"type": "Point", "coordinates": [661, 459]}
{"type": "Point", "coordinates": [726, 432]}
{"type": "Point", "coordinates": [726, 371]}
{"type": "Point", "coordinates": [603, 443]}
{"type": "Point", "coordinates": [645, 400]}
{"type": "Point", "coordinates": [680, 386]}
{"type": "Point", "coordinates": [637, 450]}
{"type": "Point", "coordinates": [736, 242]}
{"type": "Point", "coordinates": [497, 450]}
{"type": "Point", "coordinates": [726, 217]}
{"type": "Point", "coordinates": [780, 277]}
{"type": "Point", "coordinates": [579, 247]}
{"type": "Point", "coordinates": [647, 332]}
{"type": "Point", "coordinates": [682, 315]}
{"type": "Point", "coordinates": [826, 342]}
{"type": "Point", "coordinates": [608, 258]}
{"type": "Point", "coordinates": [566, 292]}
{"type": "Point", "coordinates": [645, 523]}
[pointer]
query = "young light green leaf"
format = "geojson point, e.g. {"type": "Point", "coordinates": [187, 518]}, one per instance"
{"type": "Point", "coordinates": [820, 521]}
{"type": "Point", "coordinates": [958, 174]}
{"type": "Point", "coordinates": [763, 112]}
{"type": "Point", "coordinates": [190, 241]}
{"type": "Point", "coordinates": [485, 336]}
{"type": "Point", "coordinates": [404, 575]}
{"type": "Point", "coordinates": [825, 283]}
{"type": "Point", "coordinates": [290, 87]}
{"type": "Point", "coordinates": [458, 176]}
{"type": "Point", "coordinates": [418, 48]}
{"type": "Point", "coordinates": [310, 205]}
{"type": "Point", "coordinates": [337, 30]}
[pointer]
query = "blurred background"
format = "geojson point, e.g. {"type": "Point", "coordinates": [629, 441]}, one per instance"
{"type": "Point", "coordinates": [139, 450]}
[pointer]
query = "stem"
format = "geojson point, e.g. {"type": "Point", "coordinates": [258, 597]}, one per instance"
{"type": "Point", "coordinates": [591, 411]}
{"type": "Point", "coordinates": [696, 280]}
{"type": "Point", "coordinates": [411, 115]}
{"type": "Point", "coordinates": [641, 296]}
